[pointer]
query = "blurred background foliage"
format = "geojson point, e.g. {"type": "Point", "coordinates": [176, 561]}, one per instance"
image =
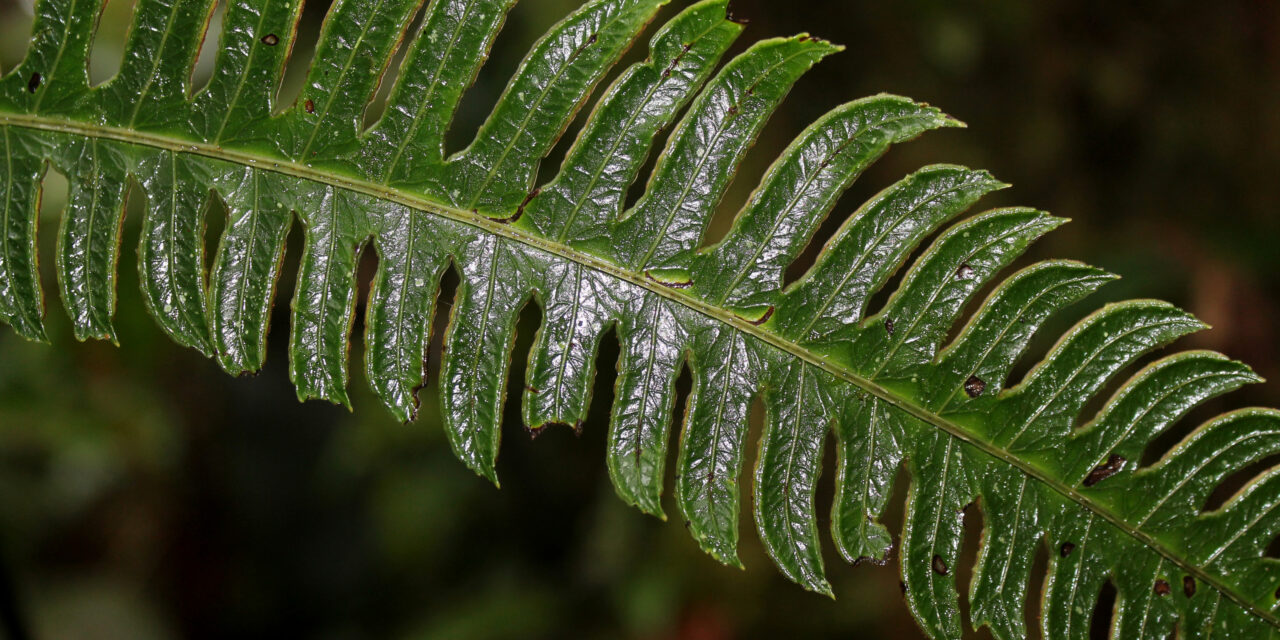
{"type": "Point", "coordinates": [145, 494]}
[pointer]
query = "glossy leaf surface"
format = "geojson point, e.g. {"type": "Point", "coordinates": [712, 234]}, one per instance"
{"type": "Point", "coordinates": [913, 383]}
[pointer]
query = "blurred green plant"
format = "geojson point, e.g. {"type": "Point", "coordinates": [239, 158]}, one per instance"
{"type": "Point", "coordinates": [808, 351]}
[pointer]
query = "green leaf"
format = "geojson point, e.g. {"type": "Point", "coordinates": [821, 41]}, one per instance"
{"type": "Point", "coordinates": [884, 385]}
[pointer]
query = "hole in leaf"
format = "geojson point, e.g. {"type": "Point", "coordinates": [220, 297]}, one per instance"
{"type": "Point", "coordinates": [1273, 548]}
{"type": "Point", "coordinates": [1034, 605]}
{"type": "Point", "coordinates": [845, 207]}
{"type": "Point", "coordinates": [286, 285]}
{"type": "Point", "coordinates": [526, 22]}
{"type": "Point", "coordinates": [757, 415]}
{"type": "Point", "coordinates": [15, 34]}
{"type": "Point", "coordinates": [367, 259]}
{"type": "Point", "coordinates": [526, 330]}
{"type": "Point", "coordinates": [303, 52]}
{"type": "Point", "coordinates": [1103, 611]}
{"type": "Point", "coordinates": [52, 201]}
{"type": "Point", "coordinates": [54, 190]}
{"type": "Point", "coordinates": [974, 521]}
{"type": "Point", "coordinates": [446, 295]}
{"type": "Point", "coordinates": [608, 351]}
{"type": "Point", "coordinates": [391, 75]}
{"type": "Point", "coordinates": [900, 160]}
{"type": "Point", "coordinates": [216, 215]}
{"type": "Point", "coordinates": [1160, 445]}
{"type": "Point", "coordinates": [106, 54]}
{"type": "Point", "coordinates": [746, 179]}
{"type": "Point", "coordinates": [1238, 481]}
{"type": "Point", "coordinates": [551, 165]}
{"type": "Point", "coordinates": [679, 412]}
{"type": "Point", "coordinates": [640, 185]}
{"type": "Point", "coordinates": [879, 298]}
{"type": "Point", "coordinates": [825, 492]}
{"type": "Point", "coordinates": [130, 313]}
{"type": "Point", "coordinates": [202, 70]}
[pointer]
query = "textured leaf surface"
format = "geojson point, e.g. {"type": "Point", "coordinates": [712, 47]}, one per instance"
{"type": "Point", "coordinates": [887, 386]}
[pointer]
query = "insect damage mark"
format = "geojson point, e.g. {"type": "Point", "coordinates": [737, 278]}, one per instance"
{"type": "Point", "coordinates": [34, 82]}
{"type": "Point", "coordinates": [519, 210]}
{"type": "Point", "coordinates": [1188, 586]}
{"type": "Point", "coordinates": [974, 386]}
{"type": "Point", "coordinates": [583, 47]}
{"type": "Point", "coordinates": [888, 325]}
{"type": "Point", "coordinates": [964, 272]}
{"type": "Point", "coordinates": [310, 106]}
{"type": "Point", "coordinates": [1162, 588]}
{"type": "Point", "coordinates": [761, 319]}
{"type": "Point", "coordinates": [271, 39]}
{"type": "Point", "coordinates": [940, 565]}
{"type": "Point", "coordinates": [666, 73]}
{"type": "Point", "coordinates": [1112, 466]}
{"type": "Point", "coordinates": [879, 562]}
{"type": "Point", "coordinates": [670, 278]}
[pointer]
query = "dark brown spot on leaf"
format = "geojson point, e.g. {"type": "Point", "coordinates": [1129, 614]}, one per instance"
{"type": "Point", "coordinates": [594, 37]}
{"type": "Point", "coordinates": [1066, 549]}
{"type": "Point", "coordinates": [1162, 588]}
{"type": "Point", "coordinates": [964, 272]}
{"type": "Point", "coordinates": [888, 325]}
{"type": "Point", "coordinates": [1105, 470]}
{"type": "Point", "coordinates": [309, 106]}
{"type": "Point", "coordinates": [34, 82]}
{"type": "Point", "coordinates": [532, 389]}
{"type": "Point", "coordinates": [733, 110]}
{"type": "Point", "coordinates": [939, 565]}
{"type": "Point", "coordinates": [1188, 586]}
{"type": "Point", "coordinates": [271, 39]}
{"type": "Point", "coordinates": [974, 386]}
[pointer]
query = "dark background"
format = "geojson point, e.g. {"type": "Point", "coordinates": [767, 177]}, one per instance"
{"type": "Point", "coordinates": [145, 494]}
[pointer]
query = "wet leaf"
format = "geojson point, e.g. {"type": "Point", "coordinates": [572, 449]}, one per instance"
{"type": "Point", "coordinates": [885, 386]}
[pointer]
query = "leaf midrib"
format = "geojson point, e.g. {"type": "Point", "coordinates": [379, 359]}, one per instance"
{"type": "Point", "coordinates": [724, 316]}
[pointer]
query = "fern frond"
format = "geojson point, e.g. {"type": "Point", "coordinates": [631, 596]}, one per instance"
{"type": "Point", "coordinates": [883, 380]}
